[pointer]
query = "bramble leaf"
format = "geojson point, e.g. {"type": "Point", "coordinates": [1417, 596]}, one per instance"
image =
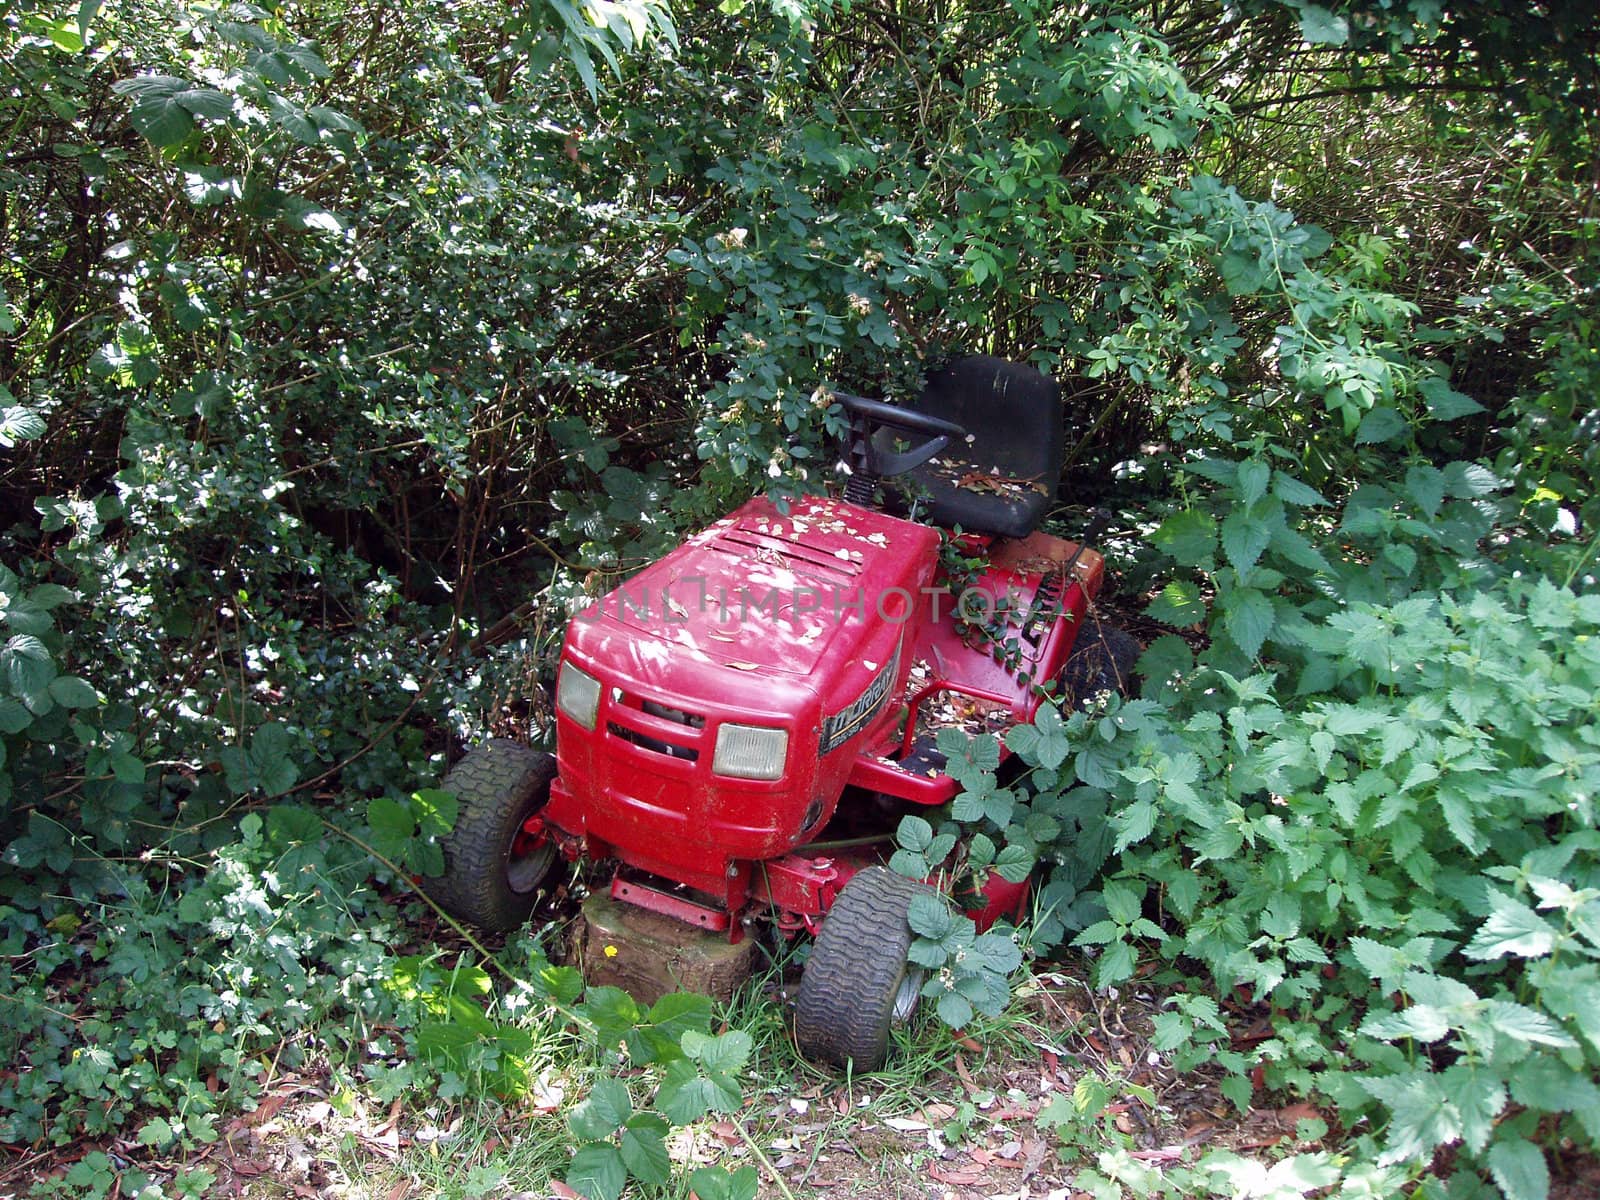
{"type": "Point", "coordinates": [597, 1171]}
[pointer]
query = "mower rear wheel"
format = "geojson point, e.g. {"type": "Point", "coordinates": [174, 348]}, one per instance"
{"type": "Point", "coordinates": [858, 981]}
{"type": "Point", "coordinates": [492, 866]}
{"type": "Point", "coordinates": [1102, 660]}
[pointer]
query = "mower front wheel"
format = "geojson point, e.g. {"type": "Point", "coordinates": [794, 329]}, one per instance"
{"type": "Point", "coordinates": [492, 866]}
{"type": "Point", "coordinates": [859, 981]}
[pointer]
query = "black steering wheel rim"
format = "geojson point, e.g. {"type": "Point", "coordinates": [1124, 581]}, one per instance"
{"type": "Point", "coordinates": [881, 412]}
{"type": "Point", "coordinates": [870, 461]}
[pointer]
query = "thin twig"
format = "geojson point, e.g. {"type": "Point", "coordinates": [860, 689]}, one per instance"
{"type": "Point", "coordinates": [777, 1179]}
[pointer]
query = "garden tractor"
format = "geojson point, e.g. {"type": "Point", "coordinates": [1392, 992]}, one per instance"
{"type": "Point", "coordinates": [740, 726]}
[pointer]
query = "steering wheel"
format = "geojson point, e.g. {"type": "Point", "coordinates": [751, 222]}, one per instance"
{"type": "Point", "coordinates": [866, 456]}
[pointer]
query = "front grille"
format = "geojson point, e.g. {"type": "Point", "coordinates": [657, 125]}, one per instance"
{"type": "Point", "coordinates": [645, 742]}
{"type": "Point", "coordinates": [674, 747]}
{"type": "Point", "coordinates": [666, 712]}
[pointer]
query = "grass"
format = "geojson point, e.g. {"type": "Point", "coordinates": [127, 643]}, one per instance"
{"type": "Point", "coordinates": [474, 1148]}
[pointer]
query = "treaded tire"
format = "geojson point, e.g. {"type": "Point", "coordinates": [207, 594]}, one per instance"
{"type": "Point", "coordinates": [498, 786]}
{"type": "Point", "coordinates": [1101, 660]}
{"type": "Point", "coordinates": [856, 971]}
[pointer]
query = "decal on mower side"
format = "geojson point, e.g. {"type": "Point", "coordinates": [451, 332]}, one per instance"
{"type": "Point", "coordinates": [851, 720]}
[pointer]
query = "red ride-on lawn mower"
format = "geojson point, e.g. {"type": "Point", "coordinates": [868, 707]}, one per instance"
{"type": "Point", "coordinates": [741, 725]}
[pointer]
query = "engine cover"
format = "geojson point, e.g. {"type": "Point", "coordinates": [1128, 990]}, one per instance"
{"type": "Point", "coordinates": [800, 621]}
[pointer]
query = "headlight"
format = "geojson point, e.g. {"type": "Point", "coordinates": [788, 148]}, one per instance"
{"type": "Point", "coordinates": [578, 695]}
{"type": "Point", "coordinates": [751, 752]}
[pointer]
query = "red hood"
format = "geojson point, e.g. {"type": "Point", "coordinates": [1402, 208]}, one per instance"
{"type": "Point", "coordinates": [761, 591]}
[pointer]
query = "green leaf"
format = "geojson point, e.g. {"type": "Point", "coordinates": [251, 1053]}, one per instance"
{"type": "Point", "coordinates": [27, 664]}
{"type": "Point", "coordinates": [1058, 1112]}
{"type": "Point", "coordinates": [1380, 425]}
{"type": "Point", "coordinates": [1044, 743]}
{"type": "Point", "coordinates": [1573, 994]}
{"type": "Point", "coordinates": [293, 119]}
{"type": "Point", "coordinates": [1248, 617]}
{"type": "Point", "coordinates": [929, 916]}
{"type": "Point", "coordinates": [1242, 268]}
{"type": "Point", "coordinates": [332, 119]}
{"type": "Point", "coordinates": [914, 833]}
{"type": "Point", "coordinates": [127, 768]}
{"type": "Point", "coordinates": [14, 715]}
{"type": "Point", "coordinates": [24, 616]}
{"type": "Point", "coordinates": [1291, 491]}
{"type": "Point", "coordinates": [1300, 1175]}
{"type": "Point", "coordinates": [1014, 864]}
{"type": "Point", "coordinates": [1115, 965]}
{"type": "Point", "coordinates": [613, 1012]}
{"type": "Point", "coordinates": [19, 424]}
{"type": "Point", "coordinates": [1467, 480]}
{"type": "Point", "coordinates": [1189, 537]}
{"type": "Point", "coordinates": [1244, 537]}
{"type": "Point", "coordinates": [565, 984]}
{"type": "Point", "coordinates": [1387, 964]}
{"type": "Point", "coordinates": [1134, 824]}
{"type": "Point", "coordinates": [206, 102]}
{"type": "Point", "coordinates": [725, 1054]}
{"type": "Point", "coordinates": [678, 1013]}
{"type": "Point", "coordinates": [912, 864]}
{"type": "Point", "coordinates": [50, 596]}
{"type": "Point", "coordinates": [436, 811]}
{"type": "Point", "coordinates": [165, 107]}
{"type": "Point", "coordinates": [391, 822]}
{"type": "Point", "coordinates": [87, 11]}
{"type": "Point", "coordinates": [685, 1095]}
{"type": "Point", "coordinates": [1252, 480]}
{"type": "Point", "coordinates": [156, 1133]}
{"type": "Point", "coordinates": [1444, 402]}
{"type": "Point", "coordinates": [1426, 485]}
{"type": "Point", "coordinates": [71, 692]}
{"type": "Point", "coordinates": [980, 851]}
{"type": "Point", "coordinates": [1519, 1169]}
{"type": "Point", "coordinates": [598, 1172]}
{"type": "Point", "coordinates": [716, 1183]}
{"type": "Point", "coordinates": [1512, 928]}
{"type": "Point", "coordinates": [955, 1010]}
{"type": "Point", "coordinates": [1546, 1083]}
{"type": "Point", "coordinates": [608, 1106]}
{"type": "Point", "coordinates": [999, 952]}
{"type": "Point", "coordinates": [1522, 1024]}
{"type": "Point", "coordinates": [1421, 1022]}
{"type": "Point", "coordinates": [1099, 934]}
{"type": "Point", "coordinates": [1321, 27]}
{"type": "Point", "coordinates": [643, 1150]}
{"type": "Point", "coordinates": [1178, 603]}
{"type": "Point", "coordinates": [291, 824]}
{"type": "Point", "coordinates": [1422, 1117]}
{"type": "Point", "coordinates": [268, 762]}
{"type": "Point", "coordinates": [1123, 901]}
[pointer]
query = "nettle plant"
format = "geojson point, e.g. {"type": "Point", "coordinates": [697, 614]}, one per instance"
{"type": "Point", "coordinates": [1367, 805]}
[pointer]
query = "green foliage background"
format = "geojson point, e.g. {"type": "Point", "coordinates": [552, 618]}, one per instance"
{"type": "Point", "coordinates": [340, 345]}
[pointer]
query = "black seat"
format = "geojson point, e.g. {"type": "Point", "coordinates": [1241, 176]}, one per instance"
{"type": "Point", "coordinates": [1003, 480]}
